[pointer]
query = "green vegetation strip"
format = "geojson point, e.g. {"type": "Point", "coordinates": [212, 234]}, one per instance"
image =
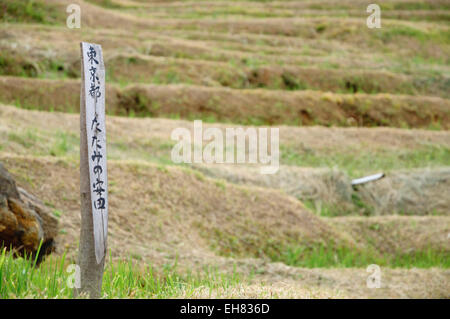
{"type": "Point", "coordinates": [66, 144]}
{"type": "Point", "coordinates": [21, 278]}
{"type": "Point", "coordinates": [30, 11]}
{"type": "Point", "coordinates": [247, 107]}
{"type": "Point", "coordinates": [310, 254]}
{"type": "Point", "coordinates": [357, 165]}
{"type": "Point", "coordinates": [328, 257]}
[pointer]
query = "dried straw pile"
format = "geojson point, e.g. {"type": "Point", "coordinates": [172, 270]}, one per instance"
{"type": "Point", "coordinates": [416, 192]}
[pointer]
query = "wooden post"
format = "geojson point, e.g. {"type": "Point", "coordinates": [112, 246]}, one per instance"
{"type": "Point", "coordinates": [93, 172]}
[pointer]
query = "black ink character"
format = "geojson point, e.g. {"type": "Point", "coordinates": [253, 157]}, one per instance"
{"type": "Point", "coordinates": [99, 190]}
{"type": "Point", "coordinates": [97, 183]}
{"type": "Point", "coordinates": [94, 121]}
{"type": "Point", "coordinates": [100, 203]}
{"type": "Point", "coordinates": [94, 77]}
{"type": "Point", "coordinates": [97, 169]}
{"type": "Point", "coordinates": [97, 155]}
{"type": "Point", "coordinates": [91, 55]}
{"type": "Point", "coordinates": [97, 124]}
{"type": "Point", "coordinates": [96, 142]}
{"type": "Point", "coordinates": [95, 91]}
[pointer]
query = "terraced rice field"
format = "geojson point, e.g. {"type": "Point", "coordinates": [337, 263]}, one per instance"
{"type": "Point", "coordinates": [348, 100]}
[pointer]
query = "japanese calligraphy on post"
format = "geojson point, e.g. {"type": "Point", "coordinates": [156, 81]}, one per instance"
{"type": "Point", "coordinates": [94, 94]}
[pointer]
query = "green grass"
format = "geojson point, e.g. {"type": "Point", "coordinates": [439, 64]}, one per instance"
{"type": "Point", "coordinates": [328, 256]}
{"type": "Point", "coordinates": [63, 144]}
{"type": "Point", "coordinates": [14, 64]}
{"type": "Point", "coordinates": [392, 33]}
{"type": "Point", "coordinates": [412, 5]}
{"type": "Point", "coordinates": [322, 255]}
{"type": "Point", "coordinates": [325, 209]}
{"type": "Point", "coordinates": [66, 144]}
{"type": "Point", "coordinates": [17, 64]}
{"type": "Point", "coordinates": [358, 164]}
{"type": "Point", "coordinates": [30, 11]}
{"type": "Point", "coordinates": [109, 4]}
{"type": "Point", "coordinates": [21, 278]}
{"type": "Point", "coordinates": [57, 213]}
{"type": "Point", "coordinates": [27, 139]}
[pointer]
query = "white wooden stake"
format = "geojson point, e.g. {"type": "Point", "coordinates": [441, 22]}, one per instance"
{"type": "Point", "coordinates": [93, 171]}
{"type": "Point", "coordinates": [367, 179]}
